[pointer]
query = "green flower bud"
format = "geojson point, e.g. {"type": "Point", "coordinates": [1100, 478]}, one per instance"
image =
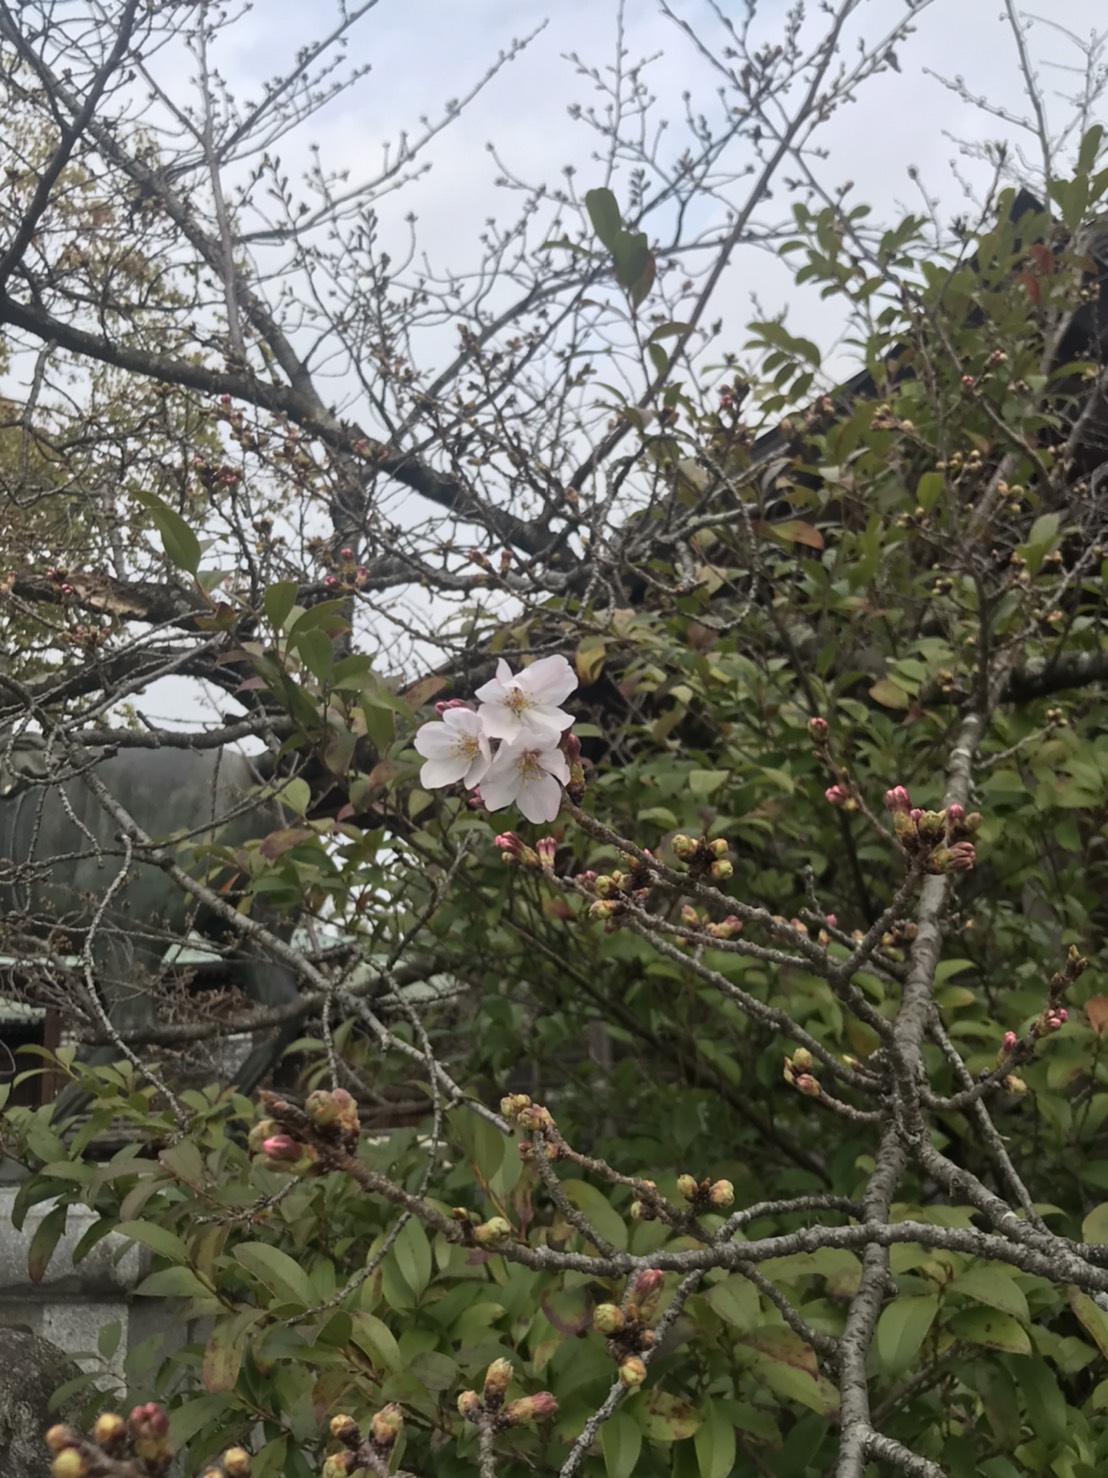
{"type": "Point", "coordinates": [386, 1425]}
{"type": "Point", "coordinates": [688, 1186]}
{"type": "Point", "coordinates": [608, 1319]}
{"type": "Point", "coordinates": [493, 1233]}
{"type": "Point", "coordinates": [470, 1405]}
{"type": "Point", "coordinates": [632, 1372]}
{"type": "Point", "coordinates": [530, 1408]}
{"type": "Point", "coordinates": [497, 1377]}
{"type": "Point", "coordinates": [346, 1429]}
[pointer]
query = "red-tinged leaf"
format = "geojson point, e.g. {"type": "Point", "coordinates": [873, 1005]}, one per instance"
{"type": "Point", "coordinates": [666, 1418]}
{"type": "Point", "coordinates": [1096, 1010]}
{"type": "Point", "coordinates": [423, 691]}
{"type": "Point", "coordinates": [1031, 284]}
{"type": "Point", "coordinates": [378, 778]}
{"type": "Point", "coordinates": [279, 842]}
{"type": "Point", "coordinates": [569, 1311]}
{"type": "Point", "coordinates": [790, 531]}
{"type": "Point", "coordinates": [780, 1343]}
{"type": "Point", "coordinates": [1043, 258]}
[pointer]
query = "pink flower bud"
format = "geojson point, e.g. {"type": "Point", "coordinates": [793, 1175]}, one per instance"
{"type": "Point", "coordinates": [835, 795]}
{"type": "Point", "coordinates": [441, 708]}
{"type": "Point", "coordinates": [818, 728]}
{"type": "Point", "coordinates": [281, 1147]}
{"type": "Point", "coordinates": [508, 842]}
{"type": "Point", "coordinates": [832, 920]}
{"type": "Point", "coordinates": [648, 1282]}
{"type": "Point", "coordinates": [1008, 1041]}
{"type": "Point", "coordinates": [570, 746]}
{"type": "Point", "coordinates": [347, 552]}
{"type": "Point", "coordinates": [898, 799]}
{"type": "Point", "coordinates": [547, 849]}
{"type": "Point", "coordinates": [955, 813]}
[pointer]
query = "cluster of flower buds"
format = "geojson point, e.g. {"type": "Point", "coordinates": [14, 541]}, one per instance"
{"type": "Point", "coordinates": [489, 1407]}
{"type": "Point", "coordinates": [800, 1073]}
{"type": "Point", "coordinates": [613, 889]}
{"type": "Point", "coordinates": [350, 575]}
{"type": "Point", "coordinates": [841, 796]}
{"type": "Point", "coordinates": [706, 1195]}
{"type": "Point", "coordinates": [1051, 1018]}
{"type": "Point", "coordinates": [703, 857]}
{"type": "Point", "coordinates": [627, 1327]}
{"type": "Point", "coordinates": [726, 928]}
{"type": "Point", "coordinates": [541, 856]}
{"type": "Point", "coordinates": [293, 1139]}
{"type": "Point", "coordinates": [60, 577]}
{"type": "Point", "coordinates": [212, 475]}
{"type": "Point", "coordinates": [369, 1450]}
{"type": "Point", "coordinates": [939, 838]}
{"type": "Point", "coordinates": [491, 1234]}
{"type": "Point", "coordinates": [143, 1437]}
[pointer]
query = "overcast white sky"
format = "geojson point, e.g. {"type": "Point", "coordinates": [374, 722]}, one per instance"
{"type": "Point", "coordinates": [423, 52]}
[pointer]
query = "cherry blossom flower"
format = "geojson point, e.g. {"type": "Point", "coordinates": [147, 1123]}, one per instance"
{"type": "Point", "coordinates": [457, 748]}
{"type": "Point", "coordinates": [530, 774]}
{"type": "Point", "coordinates": [524, 705]}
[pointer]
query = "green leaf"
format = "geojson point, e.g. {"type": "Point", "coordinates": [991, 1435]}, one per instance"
{"type": "Point", "coordinates": [901, 1330]}
{"type": "Point", "coordinates": [988, 1283]}
{"type": "Point", "coordinates": [280, 1273]}
{"type": "Point", "coordinates": [413, 1256]}
{"type": "Point", "coordinates": [1089, 149]}
{"type": "Point", "coordinates": [435, 1371]}
{"type": "Point", "coordinates": [1095, 1226]}
{"type": "Point", "coordinates": [1094, 1319]}
{"type": "Point", "coordinates": [107, 1341]}
{"type": "Point", "coordinates": [296, 795]}
{"type": "Point", "coordinates": [621, 1443]}
{"type": "Point", "coordinates": [44, 1241]}
{"type": "Point", "coordinates": [182, 548]}
{"type": "Point", "coordinates": [158, 1239]}
{"type": "Point", "coordinates": [1046, 1408]}
{"type": "Point", "coordinates": [703, 783]}
{"type": "Point", "coordinates": [888, 694]}
{"type": "Point", "coordinates": [377, 1340]}
{"type": "Point", "coordinates": [991, 1328]}
{"type": "Point", "coordinates": [666, 1418]}
{"type": "Point", "coordinates": [196, 1414]}
{"type": "Point", "coordinates": [279, 601]}
{"type": "Point", "coordinates": [597, 1210]}
{"type": "Point", "coordinates": [929, 489]}
{"type": "Point", "coordinates": [736, 1301]}
{"type": "Point", "coordinates": [715, 1445]}
{"type": "Point", "coordinates": [174, 1282]}
{"type": "Point", "coordinates": [223, 1352]}
{"type": "Point", "coordinates": [604, 215]}
{"type": "Point", "coordinates": [316, 652]}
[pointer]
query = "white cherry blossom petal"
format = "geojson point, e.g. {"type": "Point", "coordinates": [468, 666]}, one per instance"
{"type": "Point", "coordinates": [524, 705]}
{"type": "Point", "coordinates": [455, 748]}
{"type": "Point", "coordinates": [528, 775]}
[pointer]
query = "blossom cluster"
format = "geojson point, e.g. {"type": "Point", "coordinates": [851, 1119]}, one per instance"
{"type": "Point", "coordinates": [522, 713]}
